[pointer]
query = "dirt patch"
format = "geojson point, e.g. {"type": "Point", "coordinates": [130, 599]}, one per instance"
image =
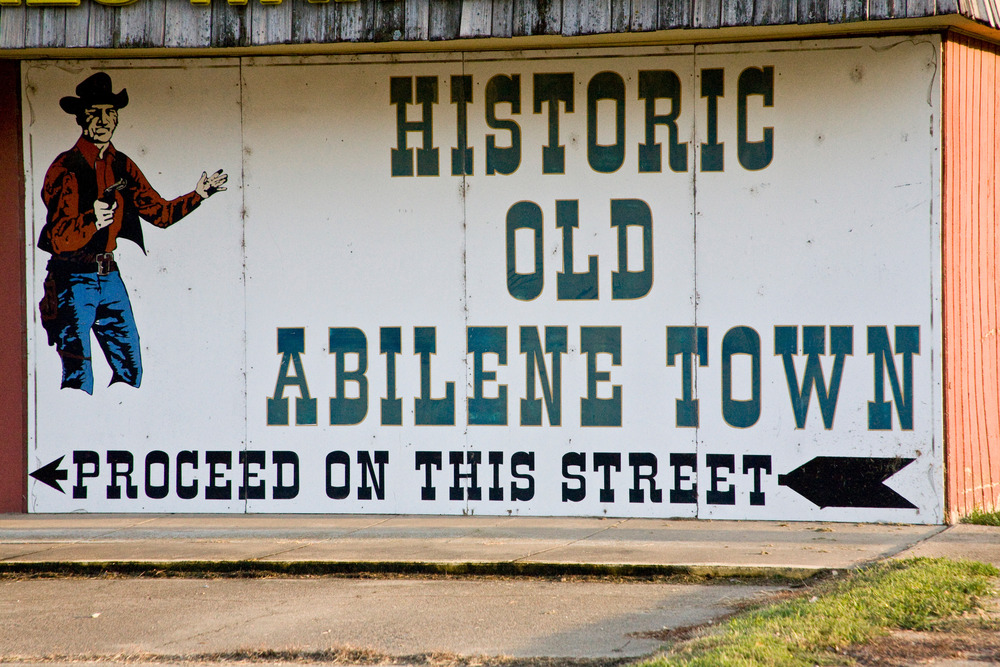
{"type": "Point", "coordinates": [686, 632]}
{"type": "Point", "coordinates": [975, 637]}
{"type": "Point", "coordinates": [901, 649]}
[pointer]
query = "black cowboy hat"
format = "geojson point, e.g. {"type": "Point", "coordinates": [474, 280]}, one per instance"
{"type": "Point", "coordinates": [95, 89]}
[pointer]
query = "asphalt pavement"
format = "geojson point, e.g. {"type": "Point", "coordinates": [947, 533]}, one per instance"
{"type": "Point", "coordinates": [520, 592]}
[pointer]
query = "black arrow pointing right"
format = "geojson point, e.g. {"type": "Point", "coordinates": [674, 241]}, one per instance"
{"type": "Point", "coordinates": [843, 481]}
{"type": "Point", "coordinates": [50, 474]}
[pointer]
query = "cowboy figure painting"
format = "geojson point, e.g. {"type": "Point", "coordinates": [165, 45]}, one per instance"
{"type": "Point", "coordinates": [95, 195]}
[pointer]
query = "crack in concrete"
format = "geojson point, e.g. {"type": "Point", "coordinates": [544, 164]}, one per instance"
{"type": "Point", "coordinates": [895, 551]}
{"type": "Point", "coordinates": [29, 553]}
{"type": "Point", "coordinates": [323, 541]}
{"type": "Point", "coordinates": [118, 530]}
{"type": "Point", "coordinates": [571, 542]}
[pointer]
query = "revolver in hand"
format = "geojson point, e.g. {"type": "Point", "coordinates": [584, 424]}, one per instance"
{"type": "Point", "coordinates": [109, 192]}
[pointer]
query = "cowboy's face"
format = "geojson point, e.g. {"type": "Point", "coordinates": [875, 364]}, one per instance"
{"type": "Point", "coordinates": [99, 122]}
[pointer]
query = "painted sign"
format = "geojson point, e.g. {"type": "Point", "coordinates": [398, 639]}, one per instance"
{"type": "Point", "coordinates": [670, 281]}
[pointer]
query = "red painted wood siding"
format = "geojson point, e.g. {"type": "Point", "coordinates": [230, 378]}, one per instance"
{"type": "Point", "coordinates": [970, 246]}
{"type": "Point", "coordinates": [13, 346]}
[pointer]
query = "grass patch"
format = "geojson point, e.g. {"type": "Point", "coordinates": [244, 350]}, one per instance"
{"type": "Point", "coordinates": [980, 518]}
{"type": "Point", "coordinates": [813, 629]}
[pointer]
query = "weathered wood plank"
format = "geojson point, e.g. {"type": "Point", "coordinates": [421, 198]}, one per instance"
{"type": "Point", "coordinates": [706, 13]}
{"type": "Point", "coordinates": [584, 17]}
{"type": "Point", "coordinates": [526, 20]}
{"type": "Point", "coordinates": [33, 28]}
{"type": "Point", "coordinates": [644, 15]}
{"type": "Point", "coordinates": [102, 26]}
{"type": "Point", "coordinates": [886, 9]}
{"type": "Point", "coordinates": [993, 9]}
{"type": "Point", "coordinates": [390, 20]}
{"type": "Point", "coordinates": [984, 11]}
{"type": "Point", "coordinates": [141, 24]}
{"type": "Point", "coordinates": [418, 20]}
{"type": "Point", "coordinates": [571, 17]}
{"type": "Point", "coordinates": [356, 20]}
{"type": "Point", "coordinates": [230, 25]}
{"type": "Point", "coordinates": [551, 13]}
{"type": "Point", "coordinates": [919, 8]}
{"type": "Point", "coordinates": [780, 12]}
{"type": "Point", "coordinates": [503, 18]}
{"type": "Point", "coordinates": [812, 11]}
{"type": "Point", "coordinates": [537, 17]}
{"type": "Point", "coordinates": [595, 16]}
{"type": "Point", "coordinates": [477, 18]}
{"type": "Point", "coordinates": [845, 11]}
{"type": "Point", "coordinates": [677, 14]}
{"type": "Point", "coordinates": [189, 25]}
{"type": "Point", "coordinates": [270, 24]}
{"type": "Point", "coordinates": [12, 27]}
{"type": "Point", "coordinates": [50, 27]}
{"type": "Point", "coordinates": [767, 12]}
{"type": "Point", "coordinates": [736, 13]}
{"type": "Point", "coordinates": [445, 19]}
{"type": "Point", "coordinates": [309, 23]}
{"type": "Point", "coordinates": [621, 15]}
{"type": "Point", "coordinates": [76, 27]}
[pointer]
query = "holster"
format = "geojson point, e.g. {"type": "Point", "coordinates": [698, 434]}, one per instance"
{"type": "Point", "coordinates": [48, 308]}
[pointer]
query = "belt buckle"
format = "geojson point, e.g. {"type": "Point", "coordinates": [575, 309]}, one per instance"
{"type": "Point", "coordinates": [104, 261]}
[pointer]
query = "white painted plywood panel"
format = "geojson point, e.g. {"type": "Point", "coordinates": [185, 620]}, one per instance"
{"type": "Point", "coordinates": [838, 231]}
{"type": "Point", "coordinates": [591, 314]}
{"type": "Point", "coordinates": [183, 117]}
{"type": "Point", "coordinates": [335, 241]}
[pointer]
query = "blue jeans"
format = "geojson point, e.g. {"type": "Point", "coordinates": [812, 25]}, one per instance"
{"type": "Point", "coordinates": [89, 302]}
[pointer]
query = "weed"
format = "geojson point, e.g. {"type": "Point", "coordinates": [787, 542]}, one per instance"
{"type": "Point", "coordinates": [818, 626]}
{"type": "Point", "coordinates": [982, 518]}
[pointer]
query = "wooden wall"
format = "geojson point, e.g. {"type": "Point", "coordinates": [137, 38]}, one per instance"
{"type": "Point", "coordinates": [13, 359]}
{"type": "Point", "coordinates": [179, 24]}
{"type": "Point", "coordinates": [970, 248]}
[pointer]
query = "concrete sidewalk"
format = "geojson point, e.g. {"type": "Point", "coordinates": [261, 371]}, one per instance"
{"type": "Point", "coordinates": [376, 542]}
{"type": "Point", "coordinates": [425, 621]}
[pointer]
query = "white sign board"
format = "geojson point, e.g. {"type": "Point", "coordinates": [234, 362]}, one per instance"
{"type": "Point", "coordinates": [658, 282]}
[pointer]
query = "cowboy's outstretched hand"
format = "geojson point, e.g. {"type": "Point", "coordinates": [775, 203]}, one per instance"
{"type": "Point", "coordinates": [209, 185]}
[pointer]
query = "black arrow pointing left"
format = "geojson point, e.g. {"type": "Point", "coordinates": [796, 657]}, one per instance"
{"type": "Point", "coordinates": [844, 481]}
{"type": "Point", "coordinates": [51, 474]}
